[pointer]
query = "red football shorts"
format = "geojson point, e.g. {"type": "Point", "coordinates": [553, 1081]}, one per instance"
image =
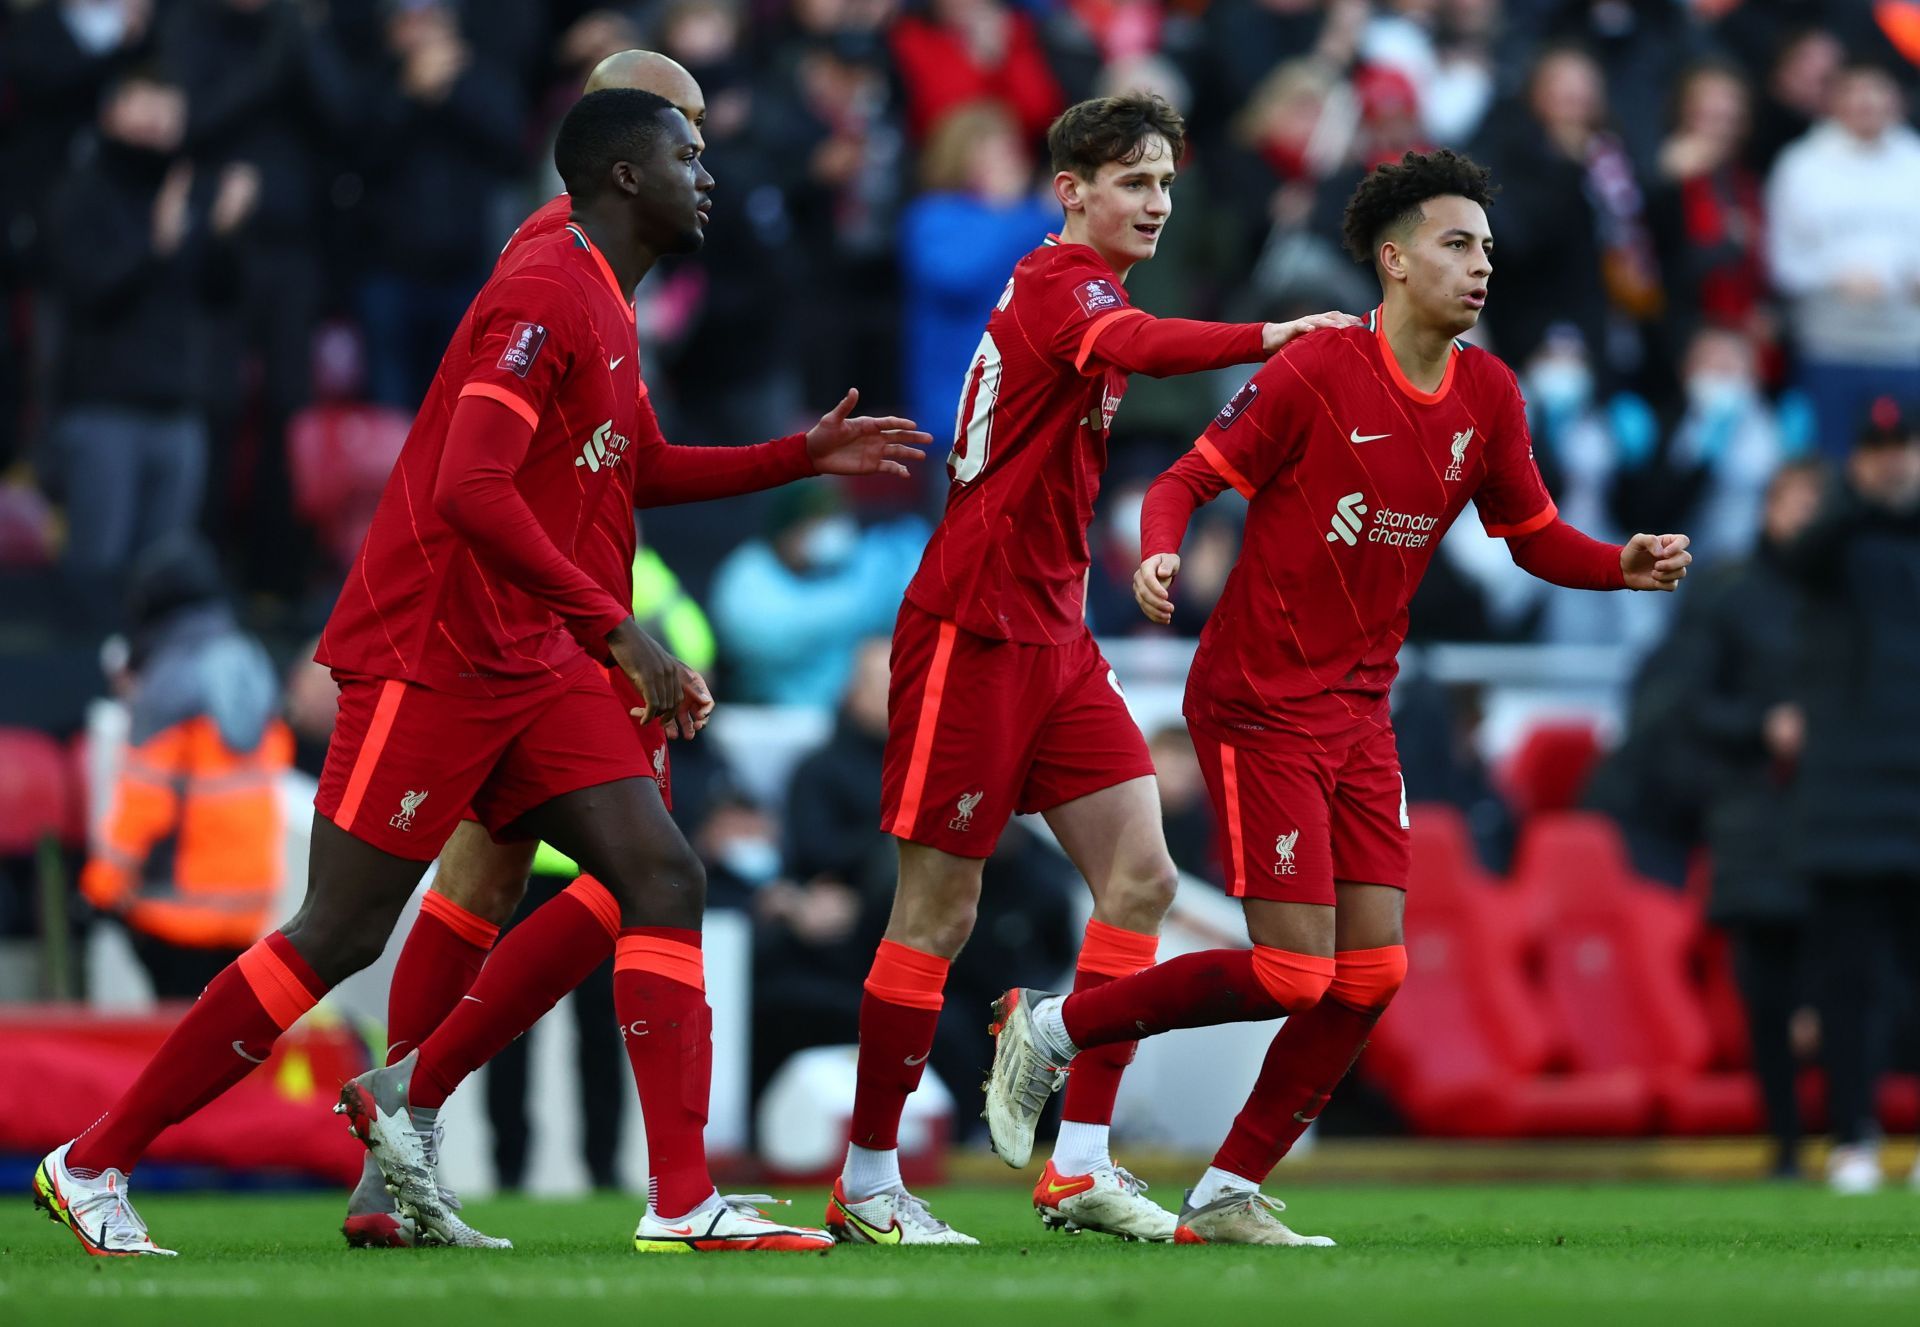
{"type": "Point", "coordinates": [1293, 822]}
{"type": "Point", "coordinates": [653, 738]}
{"type": "Point", "coordinates": [407, 763]}
{"type": "Point", "coordinates": [979, 730]}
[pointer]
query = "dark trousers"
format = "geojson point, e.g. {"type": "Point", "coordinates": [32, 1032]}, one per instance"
{"type": "Point", "coordinates": [1867, 946]}
{"type": "Point", "coordinates": [601, 1058]}
{"type": "Point", "coordinates": [178, 972]}
{"type": "Point", "coordinates": [1767, 967]}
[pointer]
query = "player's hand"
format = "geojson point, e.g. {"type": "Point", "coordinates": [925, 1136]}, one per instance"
{"type": "Point", "coordinates": [864, 445]}
{"type": "Point", "coordinates": [655, 674]}
{"type": "Point", "coordinates": [1655, 561]}
{"type": "Point", "coordinates": [1153, 586]}
{"type": "Point", "coordinates": [698, 700]}
{"type": "Point", "coordinates": [1275, 335]}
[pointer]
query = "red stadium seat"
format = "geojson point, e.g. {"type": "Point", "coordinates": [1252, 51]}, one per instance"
{"type": "Point", "coordinates": [36, 791]}
{"type": "Point", "coordinates": [341, 455]}
{"type": "Point", "coordinates": [1550, 767]}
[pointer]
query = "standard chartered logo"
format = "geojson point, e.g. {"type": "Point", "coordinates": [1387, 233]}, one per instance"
{"type": "Point", "coordinates": [1346, 519]}
{"type": "Point", "coordinates": [1397, 529]}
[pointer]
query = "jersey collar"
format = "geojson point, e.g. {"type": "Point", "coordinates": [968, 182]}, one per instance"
{"type": "Point", "coordinates": [1377, 324]}
{"type": "Point", "coordinates": [600, 259]}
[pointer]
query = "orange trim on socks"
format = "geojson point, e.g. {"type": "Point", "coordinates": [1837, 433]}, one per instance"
{"type": "Point", "coordinates": [1113, 952]}
{"type": "Point", "coordinates": [471, 927]}
{"type": "Point", "coordinates": [596, 899]}
{"type": "Point", "coordinates": [1296, 981]}
{"type": "Point", "coordinates": [906, 976]}
{"type": "Point", "coordinates": [671, 959]}
{"type": "Point", "coordinates": [1366, 979]}
{"type": "Point", "coordinates": [281, 993]}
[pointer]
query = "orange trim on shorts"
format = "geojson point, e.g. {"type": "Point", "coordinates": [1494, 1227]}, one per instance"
{"type": "Point", "coordinates": [1100, 325]}
{"type": "Point", "coordinates": [471, 927]}
{"type": "Point", "coordinates": [1296, 981]}
{"type": "Point", "coordinates": [281, 994]}
{"type": "Point", "coordinates": [506, 398]}
{"type": "Point", "coordinates": [1236, 852]}
{"type": "Point", "coordinates": [596, 899]}
{"type": "Point", "coordinates": [907, 976]}
{"type": "Point", "coordinates": [1113, 952]}
{"type": "Point", "coordinates": [1214, 457]}
{"type": "Point", "coordinates": [370, 748]}
{"type": "Point", "coordinates": [918, 763]}
{"type": "Point", "coordinates": [664, 958]}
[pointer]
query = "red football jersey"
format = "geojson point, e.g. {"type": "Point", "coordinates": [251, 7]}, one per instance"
{"type": "Point", "coordinates": [1353, 475]}
{"type": "Point", "coordinates": [550, 336]}
{"type": "Point", "coordinates": [1009, 558]}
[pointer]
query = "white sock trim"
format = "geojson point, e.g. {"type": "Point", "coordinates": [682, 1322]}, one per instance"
{"type": "Point", "coordinates": [869, 1171]}
{"type": "Point", "coordinates": [1050, 1027]}
{"type": "Point", "coordinates": [1217, 1184]}
{"type": "Point", "coordinates": [1081, 1148]}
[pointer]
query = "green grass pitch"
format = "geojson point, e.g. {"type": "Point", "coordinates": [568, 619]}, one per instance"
{"type": "Point", "coordinates": [1483, 1254]}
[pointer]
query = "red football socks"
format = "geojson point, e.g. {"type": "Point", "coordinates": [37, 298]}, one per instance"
{"type": "Point", "coordinates": [1107, 953]}
{"type": "Point", "coordinates": [542, 959]}
{"type": "Point", "coordinates": [898, 1016]}
{"type": "Point", "coordinates": [1310, 1055]}
{"type": "Point", "coordinates": [442, 956]}
{"type": "Point", "coordinates": [660, 995]}
{"type": "Point", "coordinates": [229, 1032]}
{"type": "Point", "coordinates": [1193, 990]}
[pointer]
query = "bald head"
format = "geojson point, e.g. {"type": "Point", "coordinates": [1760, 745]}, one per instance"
{"type": "Point", "coordinates": [650, 71]}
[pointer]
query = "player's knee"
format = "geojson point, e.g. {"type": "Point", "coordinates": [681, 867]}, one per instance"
{"type": "Point", "coordinates": [1295, 981]}
{"type": "Point", "coordinates": [665, 887]}
{"type": "Point", "coordinates": [1367, 979]}
{"type": "Point", "coordinates": [1139, 899]}
{"type": "Point", "coordinates": [336, 952]}
{"type": "Point", "coordinates": [493, 900]}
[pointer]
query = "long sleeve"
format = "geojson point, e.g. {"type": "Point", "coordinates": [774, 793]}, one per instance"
{"type": "Point", "coordinates": [1136, 342]}
{"type": "Point", "coordinates": [475, 494]}
{"type": "Point", "coordinates": [1561, 555]}
{"type": "Point", "coordinates": [1186, 486]}
{"type": "Point", "coordinates": [667, 474]}
{"type": "Point", "coordinates": [146, 809]}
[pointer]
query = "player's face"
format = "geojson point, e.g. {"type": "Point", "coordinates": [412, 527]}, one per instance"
{"type": "Point", "coordinates": [673, 194]}
{"type": "Point", "coordinates": [1446, 263]}
{"type": "Point", "coordinates": [1125, 207]}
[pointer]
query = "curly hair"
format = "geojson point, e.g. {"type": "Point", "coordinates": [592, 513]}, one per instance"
{"type": "Point", "coordinates": [1089, 134]}
{"type": "Point", "coordinates": [1391, 195]}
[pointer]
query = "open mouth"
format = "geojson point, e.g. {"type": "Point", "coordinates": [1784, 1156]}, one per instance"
{"type": "Point", "coordinates": [1149, 230]}
{"type": "Point", "coordinates": [1476, 298]}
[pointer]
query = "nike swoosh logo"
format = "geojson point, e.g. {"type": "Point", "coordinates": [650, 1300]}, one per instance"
{"type": "Point", "coordinates": [1304, 1119]}
{"type": "Point", "coordinates": [680, 1230]}
{"type": "Point", "coordinates": [476, 999]}
{"type": "Point", "coordinates": [1357, 437]}
{"type": "Point", "coordinates": [891, 1235]}
{"type": "Point", "coordinates": [918, 1059]}
{"type": "Point", "coordinates": [241, 1051]}
{"type": "Point", "coordinates": [613, 364]}
{"type": "Point", "coordinates": [1053, 1188]}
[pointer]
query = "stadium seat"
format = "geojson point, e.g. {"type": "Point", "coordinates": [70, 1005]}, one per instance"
{"type": "Point", "coordinates": [1550, 767]}
{"type": "Point", "coordinates": [341, 455]}
{"type": "Point", "coordinates": [36, 791]}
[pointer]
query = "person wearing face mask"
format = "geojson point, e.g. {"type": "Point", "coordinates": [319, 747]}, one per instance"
{"type": "Point", "coordinates": [1726, 447]}
{"type": "Point", "coordinates": [1855, 733]}
{"type": "Point", "coordinates": [790, 608]}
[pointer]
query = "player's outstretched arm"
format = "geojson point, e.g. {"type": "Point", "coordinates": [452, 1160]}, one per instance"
{"type": "Point", "coordinates": [1189, 484]}
{"type": "Point", "coordinates": [1165, 347]}
{"type": "Point", "coordinates": [669, 473]}
{"type": "Point", "coordinates": [1561, 555]}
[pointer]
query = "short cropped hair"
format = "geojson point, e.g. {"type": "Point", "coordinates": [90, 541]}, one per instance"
{"type": "Point", "coordinates": [613, 124]}
{"type": "Point", "coordinates": [1389, 198]}
{"type": "Point", "coordinates": [1089, 134]}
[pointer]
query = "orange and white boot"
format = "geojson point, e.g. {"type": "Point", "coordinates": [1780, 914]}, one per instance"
{"type": "Point", "coordinates": [729, 1223]}
{"type": "Point", "coordinates": [892, 1216]}
{"type": "Point", "coordinates": [1108, 1199]}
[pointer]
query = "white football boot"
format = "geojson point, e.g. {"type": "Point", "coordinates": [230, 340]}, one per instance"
{"type": "Point", "coordinates": [1243, 1216]}
{"type": "Point", "coordinates": [892, 1216]}
{"type": "Point", "coordinates": [1023, 1076]}
{"type": "Point", "coordinates": [1107, 1199]}
{"type": "Point", "coordinates": [96, 1210]}
{"type": "Point", "coordinates": [727, 1223]}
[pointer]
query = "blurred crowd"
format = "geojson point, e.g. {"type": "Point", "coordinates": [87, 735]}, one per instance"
{"type": "Point", "coordinates": [237, 233]}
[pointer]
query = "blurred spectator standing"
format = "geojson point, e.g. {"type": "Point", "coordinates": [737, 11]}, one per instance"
{"type": "Point", "coordinates": [1857, 821]}
{"type": "Point", "coordinates": [191, 855]}
{"type": "Point", "coordinates": [952, 52]}
{"type": "Point", "coordinates": [979, 214]}
{"type": "Point", "coordinates": [141, 249]}
{"type": "Point", "coordinates": [442, 119]}
{"type": "Point", "coordinates": [833, 801]}
{"type": "Point", "coordinates": [1730, 659]}
{"type": "Point", "coordinates": [1799, 83]}
{"type": "Point", "coordinates": [266, 87]}
{"type": "Point", "coordinates": [1843, 206]}
{"type": "Point", "coordinates": [791, 607]}
{"type": "Point", "coordinates": [1186, 814]}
